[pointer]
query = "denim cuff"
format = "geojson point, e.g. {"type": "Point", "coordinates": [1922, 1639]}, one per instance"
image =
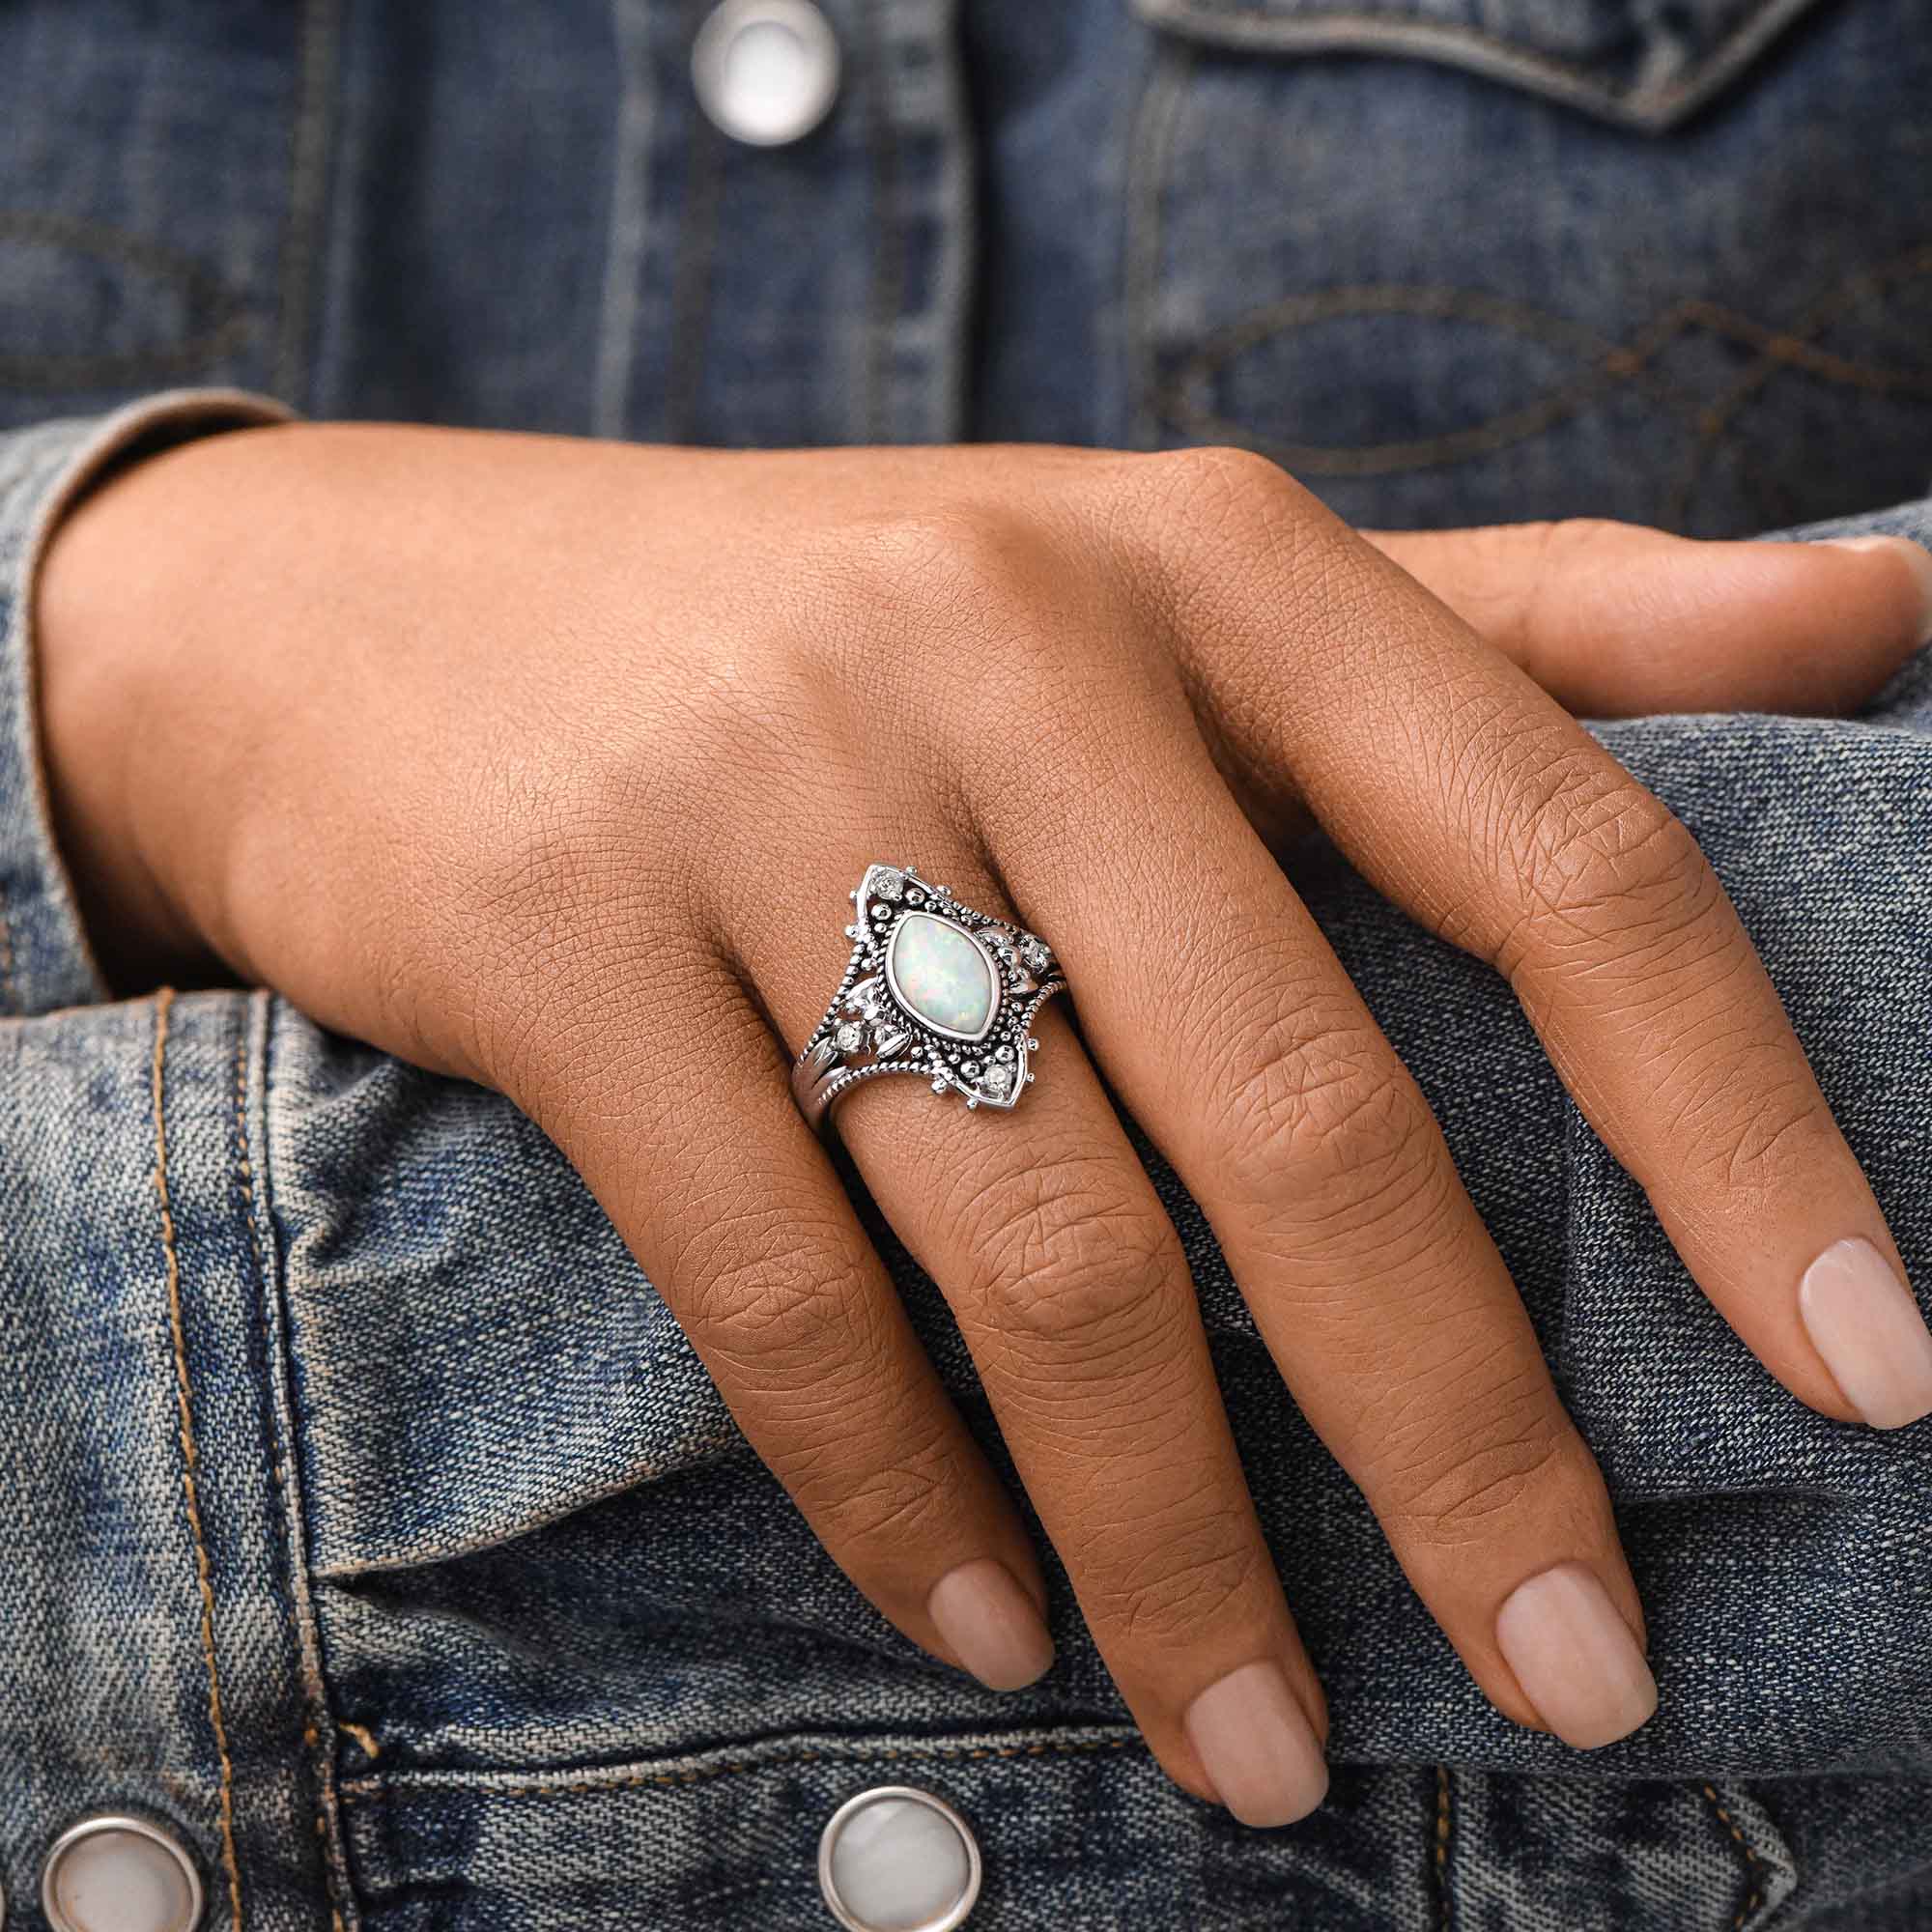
{"type": "Point", "coordinates": [45, 962]}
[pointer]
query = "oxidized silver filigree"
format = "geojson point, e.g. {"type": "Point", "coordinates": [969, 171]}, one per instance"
{"type": "Point", "coordinates": [932, 988]}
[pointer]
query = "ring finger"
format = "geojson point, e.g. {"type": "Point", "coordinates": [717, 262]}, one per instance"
{"type": "Point", "coordinates": [1072, 1294]}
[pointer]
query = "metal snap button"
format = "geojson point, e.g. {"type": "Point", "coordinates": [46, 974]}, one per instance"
{"type": "Point", "coordinates": [895, 1859]}
{"type": "Point", "coordinates": [120, 1874]}
{"type": "Point", "coordinates": [766, 70]}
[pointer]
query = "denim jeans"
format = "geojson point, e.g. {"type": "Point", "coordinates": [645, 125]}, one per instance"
{"type": "Point", "coordinates": [369, 1523]}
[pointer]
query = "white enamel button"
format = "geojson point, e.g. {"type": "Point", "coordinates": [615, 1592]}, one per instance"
{"type": "Point", "coordinates": [766, 70]}
{"type": "Point", "coordinates": [895, 1859]}
{"type": "Point", "coordinates": [118, 1874]}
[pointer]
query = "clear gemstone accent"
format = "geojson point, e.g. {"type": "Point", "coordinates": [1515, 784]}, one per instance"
{"type": "Point", "coordinates": [1036, 952]}
{"type": "Point", "coordinates": [999, 1078]}
{"type": "Point", "coordinates": [850, 1037]}
{"type": "Point", "coordinates": [889, 885]}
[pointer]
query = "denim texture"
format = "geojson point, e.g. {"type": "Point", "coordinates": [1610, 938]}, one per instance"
{"type": "Point", "coordinates": [367, 1518]}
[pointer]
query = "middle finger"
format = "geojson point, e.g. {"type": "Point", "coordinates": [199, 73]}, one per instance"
{"type": "Point", "coordinates": [1221, 1015]}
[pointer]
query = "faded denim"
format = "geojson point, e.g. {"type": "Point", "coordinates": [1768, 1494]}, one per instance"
{"type": "Point", "coordinates": [366, 1517]}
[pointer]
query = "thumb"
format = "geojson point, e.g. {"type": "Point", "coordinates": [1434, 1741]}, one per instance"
{"type": "Point", "coordinates": [1614, 619]}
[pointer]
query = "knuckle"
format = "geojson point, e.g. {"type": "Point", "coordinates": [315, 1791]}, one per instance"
{"type": "Point", "coordinates": [1457, 1459]}
{"type": "Point", "coordinates": [1217, 479]}
{"type": "Point", "coordinates": [891, 1508]}
{"type": "Point", "coordinates": [1191, 1570]}
{"type": "Point", "coordinates": [1065, 1253]}
{"type": "Point", "coordinates": [1322, 1115]}
{"type": "Point", "coordinates": [771, 1296]}
{"type": "Point", "coordinates": [1606, 862]}
{"type": "Point", "coordinates": [945, 565]}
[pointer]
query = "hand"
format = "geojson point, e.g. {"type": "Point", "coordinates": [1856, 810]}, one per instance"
{"type": "Point", "coordinates": [550, 766]}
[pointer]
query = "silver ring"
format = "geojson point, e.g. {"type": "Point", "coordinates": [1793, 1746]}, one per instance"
{"type": "Point", "coordinates": [932, 988]}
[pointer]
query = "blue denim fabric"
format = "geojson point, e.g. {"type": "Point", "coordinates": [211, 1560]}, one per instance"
{"type": "Point", "coordinates": [367, 1517]}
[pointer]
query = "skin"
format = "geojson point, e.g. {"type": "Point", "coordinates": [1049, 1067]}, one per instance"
{"type": "Point", "coordinates": [549, 764]}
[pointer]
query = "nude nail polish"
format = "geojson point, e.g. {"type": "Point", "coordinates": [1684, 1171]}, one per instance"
{"type": "Point", "coordinates": [1915, 554]}
{"type": "Point", "coordinates": [1577, 1661]}
{"type": "Point", "coordinates": [1862, 1318]}
{"type": "Point", "coordinates": [990, 1625]}
{"type": "Point", "coordinates": [1258, 1747]}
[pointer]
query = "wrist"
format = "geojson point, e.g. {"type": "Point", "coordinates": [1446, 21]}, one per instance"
{"type": "Point", "coordinates": [108, 614]}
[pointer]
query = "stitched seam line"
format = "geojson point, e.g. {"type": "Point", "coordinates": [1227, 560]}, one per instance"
{"type": "Point", "coordinates": [1179, 401]}
{"type": "Point", "coordinates": [214, 310]}
{"type": "Point", "coordinates": [1343, 32]}
{"type": "Point", "coordinates": [1152, 134]}
{"type": "Point", "coordinates": [8, 979]}
{"type": "Point", "coordinates": [1440, 1850]}
{"type": "Point", "coordinates": [362, 1788]}
{"type": "Point", "coordinates": [889, 246]}
{"type": "Point", "coordinates": [308, 176]}
{"type": "Point", "coordinates": [1829, 307]}
{"type": "Point", "coordinates": [278, 1466]}
{"type": "Point", "coordinates": [318, 1732]}
{"type": "Point", "coordinates": [1754, 1865]}
{"type": "Point", "coordinates": [184, 1400]}
{"type": "Point", "coordinates": [692, 267]}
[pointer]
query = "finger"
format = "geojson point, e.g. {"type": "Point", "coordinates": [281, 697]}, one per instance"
{"type": "Point", "coordinates": [1075, 1299]}
{"type": "Point", "coordinates": [738, 1217]}
{"type": "Point", "coordinates": [1221, 1016]}
{"type": "Point", "coordinates": [1467, 795]}
{"type": "Point", "coordinates": [1614, 619]}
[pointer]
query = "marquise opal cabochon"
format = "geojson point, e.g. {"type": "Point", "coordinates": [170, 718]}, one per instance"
{"type": "Point", "coordinates": [944, 976]}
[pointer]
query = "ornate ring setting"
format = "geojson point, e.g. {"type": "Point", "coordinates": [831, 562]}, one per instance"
{"type": "Point", "coordinates": [932, 988]}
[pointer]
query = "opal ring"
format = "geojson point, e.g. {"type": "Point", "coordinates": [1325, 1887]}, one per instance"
{"type": "Point", "coordinates": [932, 988]}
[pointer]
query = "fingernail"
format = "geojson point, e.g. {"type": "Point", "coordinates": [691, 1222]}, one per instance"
{"type": "Point", "coordinates": [1575, 1658]}
{"type": "Point", "coordinates": [1865, 1323]}
{"type": "Point", "coordinates": [1258, 1747]}
{"type": "Point", "coordinates": [1916, 554]}
{"type": "Point", "coordinates": [989, 1623]}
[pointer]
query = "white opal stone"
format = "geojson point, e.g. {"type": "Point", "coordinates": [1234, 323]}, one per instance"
{"type": "Point", "coordinates": [943, 976]}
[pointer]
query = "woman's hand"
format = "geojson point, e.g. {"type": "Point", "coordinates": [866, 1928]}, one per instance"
{"type": "Point", "coordinates": [551, 764]}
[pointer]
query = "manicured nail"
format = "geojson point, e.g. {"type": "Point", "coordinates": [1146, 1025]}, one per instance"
{"type": "Point", "coordinates": [1916, 554]}
{"type": "Point", "coordinates": [1575, 1658]}
{"type": "Point", "coordinates": [990, 1625]}
{"type": "Point", "coordinates": [1259, 1749]}
{"type": "Point", "coordinates": [1864, 1322]}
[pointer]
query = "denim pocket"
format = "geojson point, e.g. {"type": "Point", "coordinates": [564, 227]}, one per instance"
{"type": "Point", "coordinates": [1643, 66]}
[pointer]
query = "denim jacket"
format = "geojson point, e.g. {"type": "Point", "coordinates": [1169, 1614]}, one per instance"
{"type": "Point", "coordinates": [370, 1528]}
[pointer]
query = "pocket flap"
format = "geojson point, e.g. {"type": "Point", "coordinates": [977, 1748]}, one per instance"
{"type": "Point", "coordinates": [1644, 64]}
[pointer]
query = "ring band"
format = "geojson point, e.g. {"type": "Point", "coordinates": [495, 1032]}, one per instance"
{"type": "Point", "coordinates": [932, 988]}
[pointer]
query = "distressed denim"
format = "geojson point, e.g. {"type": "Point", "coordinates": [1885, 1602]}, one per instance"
{"type": "Point", "coordinates": [367, 1518]}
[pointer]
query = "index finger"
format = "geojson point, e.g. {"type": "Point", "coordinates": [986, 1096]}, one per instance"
{"type": "Point", "coordinates": [1467, 795]}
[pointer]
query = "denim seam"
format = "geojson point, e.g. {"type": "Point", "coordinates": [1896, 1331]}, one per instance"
{"type": "Point", "coordinates": [626, 246]}
{"type": "Point", "coordinates": [888, 289]}
{"type": "Point", "coordinates": [282, 1466]}
{"type": "Point", "coordinates": [1790, 346]}
{"type": "Point", "coordinates": [1152, 138]}
{"type": "Point", "coordinates": [185, 1399]}
{"type": "Point", "coordinates": [1483, 52]}
{"type": "Point", "coordinates": [691, 273]}
{"type": "Point", "coordinates": [224, 324]}
{"type": "Point", "coordinates": [356, 1790]}
{"type": "Point", "coordinates": [309, 139]}
{"type": "Point", "coordinates": [1439, 1849]}
{"type": "Point", "coordinates": [1752, 1864]}
{"type": "Point", "coordinates": [9, 990]}
{"type": "Point", "coordinates": [1783, 347]}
